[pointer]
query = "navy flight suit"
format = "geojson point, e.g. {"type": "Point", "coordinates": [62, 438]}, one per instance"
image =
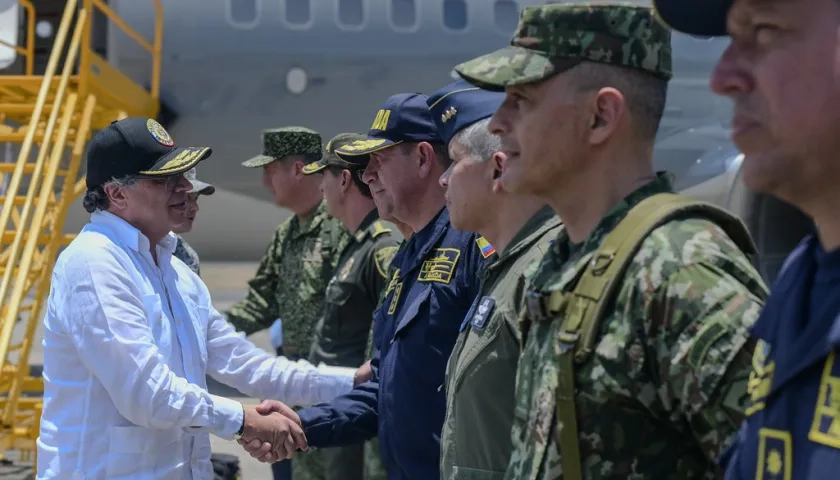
{"type": "Point", "coordinates": [415, 330]}
{"type": "Point", "coordinates": [792, 430]}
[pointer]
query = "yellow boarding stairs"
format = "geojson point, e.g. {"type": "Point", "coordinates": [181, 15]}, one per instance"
{"type": "Point", "coordinates": [51, 117]}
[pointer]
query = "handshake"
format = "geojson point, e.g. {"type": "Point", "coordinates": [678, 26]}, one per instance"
{"type": "Point", "coordinates": [272, 432]}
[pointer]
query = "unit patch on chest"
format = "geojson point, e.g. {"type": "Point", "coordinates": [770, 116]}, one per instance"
{"type": "Point", "coordinates": [761, 377]}
{"type": "Point", "coordinates": [825, 427]}
{"type": "Point", "coordinates": [440, 266]}
{"type": "Point", "coordinates": [482, 312]}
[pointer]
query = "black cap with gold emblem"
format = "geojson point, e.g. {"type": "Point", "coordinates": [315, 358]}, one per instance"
{"type": "Point", "coordinates": [137, 146]}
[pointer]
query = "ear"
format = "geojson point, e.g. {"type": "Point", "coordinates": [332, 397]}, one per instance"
{"type": "Point", "coordinates": [297, 169]}
{"type": "Point", "coordinates": [426, 159]}
{"type": "Point", "coordinates": [117, 198]}
{"type": "Point", "coordinates": [608, 109]}
{"type": "Point", "coordinates": [497, 167]}
{"type": "Point", "coordinates": [346, 180]}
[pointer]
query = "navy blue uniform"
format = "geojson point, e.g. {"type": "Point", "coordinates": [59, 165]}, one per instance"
{"type": "Point", "coordinates": [792, 429]}
{"type": "Point", "coordinates": [415, 329]}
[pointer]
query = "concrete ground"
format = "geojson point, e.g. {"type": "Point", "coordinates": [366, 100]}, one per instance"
{"type": "Point", "coordinates": [227, 284]}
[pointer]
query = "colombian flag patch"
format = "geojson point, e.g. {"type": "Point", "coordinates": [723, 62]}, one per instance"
{"type": "Point", "coordinates": [485, 247]}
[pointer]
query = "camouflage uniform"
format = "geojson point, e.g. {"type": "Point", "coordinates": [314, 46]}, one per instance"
{"type": "Point", "coordinates": [185, 253]}
{"type": "Point", "coordinates": [293, 274]}
{"type": "Point", "coordinates": [665, 387]}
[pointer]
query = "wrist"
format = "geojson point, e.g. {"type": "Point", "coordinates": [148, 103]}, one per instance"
{"type": "Point", "coordinates": [241, 431]}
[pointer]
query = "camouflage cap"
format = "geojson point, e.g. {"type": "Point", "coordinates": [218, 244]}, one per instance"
{"type": "Point", "coordinates": [331, 159]}
{"type": "Point", "coordinates": [553, 38]}
{"type": "Point", "coordinates": [199, 187]}
{"type": "Point", "coordinates": [283, 142]}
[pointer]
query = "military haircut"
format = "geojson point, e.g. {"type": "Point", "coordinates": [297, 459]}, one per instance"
{"type": "Point", "coordinates": [478, 140]}
{"type": "Point", "coordinates": [644, 94]}
{"type": "Point", "coordinates": [355, 174]}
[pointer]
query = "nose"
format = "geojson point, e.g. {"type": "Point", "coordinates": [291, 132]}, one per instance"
{"type": "Point", "coordinates": [730, 76]}
{"type": "Point", "coordinates": [444, 178]}
{"type": "Point", "coordinates": [369, 173]}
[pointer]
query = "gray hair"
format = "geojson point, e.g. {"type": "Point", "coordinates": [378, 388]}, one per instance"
{"type": "Point", "coordinates": [96, 199]}
{"type": "Point", "coordinates": [478, 140]}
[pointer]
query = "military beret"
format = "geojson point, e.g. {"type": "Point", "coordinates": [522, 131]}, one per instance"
{"type": "Point", "coordinates": [404, 117]}
{"type": "Point", "coordinates": [553, 38]}
{"type": "Point", "coordinates": [284, 142]}
{"type": "Point", "coordinates": [331, 159]}
{"type": "Point", "coordinates": [459, 105]}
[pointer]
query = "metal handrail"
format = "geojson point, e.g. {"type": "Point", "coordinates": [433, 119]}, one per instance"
{"type": "Point", "coordinates": [29, 50]}
{"type": "Point", "coordinates": [154, 48]}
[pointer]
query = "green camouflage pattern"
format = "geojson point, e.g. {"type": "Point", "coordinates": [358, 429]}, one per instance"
{"type": "Point", "coordinates": [283, 142]}
{"type": "Point", "coordinates": [552, 38]}
{"type": "Point", "coordinates": [202, 188]}
{"type": "Point", "coordinates": [291, 280]}
{"type": "Point", "coordinates": [185, 253]}
{"type": "Point", "coordinates": [480, 378]}
{"type": "Point", "coordinates": [665, 389]}
{"type": "Point", "coordinates": [329, 158]}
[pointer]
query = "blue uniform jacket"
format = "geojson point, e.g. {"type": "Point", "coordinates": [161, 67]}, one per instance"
{"type": "Point", "coordinates": [792, 430]}
{"type": "Point", "coordinates": [415, 329]}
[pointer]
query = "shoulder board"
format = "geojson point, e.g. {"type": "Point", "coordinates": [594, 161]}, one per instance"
{"type": "Point", "coordinates": [378, 228]}
{"type": "Point", "coordinates": [485, 247]}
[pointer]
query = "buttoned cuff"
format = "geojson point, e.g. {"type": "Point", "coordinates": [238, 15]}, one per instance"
{"type": "Point", "coordinates": [227, 417]}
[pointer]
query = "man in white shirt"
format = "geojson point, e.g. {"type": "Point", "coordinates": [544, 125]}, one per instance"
{"type": "Point", "coordinates": [130, 333]}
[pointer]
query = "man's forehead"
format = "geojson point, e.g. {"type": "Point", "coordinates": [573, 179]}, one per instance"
{"type": "Point", "coordinates": [764, 6]}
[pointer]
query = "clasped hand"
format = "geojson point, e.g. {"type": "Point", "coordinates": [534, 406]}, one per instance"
{"type": "Point", "coordinates": [272, 432]}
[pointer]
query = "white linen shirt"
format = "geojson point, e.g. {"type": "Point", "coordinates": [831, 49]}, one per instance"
{"type": "Point", "coordinates": [127, 345]}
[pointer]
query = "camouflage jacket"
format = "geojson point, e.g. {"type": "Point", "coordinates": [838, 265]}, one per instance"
{"type": "Point", "coordinates": [353, 294]}
{"type": "Point", "coordinates": [185, 253]}
{"type": "Point", "coordinates": [666, 386]}
{"type": "Point", "coordinates": [291, 280]}
{"type": "Point", "coordinates": [481, 374]}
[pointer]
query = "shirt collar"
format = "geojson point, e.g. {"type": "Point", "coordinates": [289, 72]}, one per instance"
{"type": "Point", "coordinates": [128, 234]}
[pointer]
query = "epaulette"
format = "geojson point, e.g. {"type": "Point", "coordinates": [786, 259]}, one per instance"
{"type": "Point", "coordinates": [375, 229]}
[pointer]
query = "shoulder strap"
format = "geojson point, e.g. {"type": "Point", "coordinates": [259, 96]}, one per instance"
{"type": "Point", "coordinates": [602, 277]}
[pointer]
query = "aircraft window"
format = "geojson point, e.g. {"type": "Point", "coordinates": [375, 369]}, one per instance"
{"type": "Point", "coordinates": [403, 13]}
{"type": "Point", "coordinates": [351, 13]}
{"type": "Point", "coordinates": [506, 14]}
{"type": "Point", "coordinates": [242, 13]}
{"type": "Point", "coordinates": [298, 12]}
{"type": "Point", "coordinates": [455, 14]}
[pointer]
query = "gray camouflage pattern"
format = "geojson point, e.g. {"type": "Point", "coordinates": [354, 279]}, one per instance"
{"type": "Point", "coordinates": [665, 389]}
{"type": "Point", "coordinates": [552, 38]}
{"type": "Point", "coordinates": [283, 142]}
{"type": "Point", "coordinates": [185, 253]}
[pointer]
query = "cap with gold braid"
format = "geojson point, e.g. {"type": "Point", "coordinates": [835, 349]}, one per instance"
{"type": "Point", "coordinates": [137, 146]}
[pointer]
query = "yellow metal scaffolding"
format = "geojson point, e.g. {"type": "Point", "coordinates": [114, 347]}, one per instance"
{"type": "Point", "coordinates": [51, 117]}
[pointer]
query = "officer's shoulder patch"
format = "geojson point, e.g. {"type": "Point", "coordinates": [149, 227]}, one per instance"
{"type": "Point", "coordinates": [775, 455]}
{"type": "Point", "coordinates": [825, 426]}
{"type": "Point", "coordinates": [483, 312]}
{"type": "Point", "coordinates": [439, 265]}
{"type": "Point", "coordinates": [378, 228]}
{"type": "Point", "coordinates": [485, 247]}
{"type": "Point", "coordinates": [382, 259]}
